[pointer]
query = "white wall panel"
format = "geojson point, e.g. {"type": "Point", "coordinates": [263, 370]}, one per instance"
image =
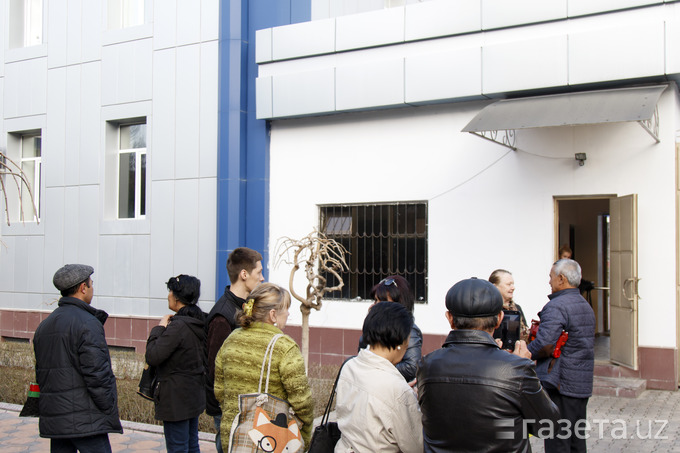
{"type": "Point", "coordinates": [207, 236]}
{"type": "Point", "coordinates": [159, 306]}
{"type": "Point", "coordinates": [210, 20]}
{"type": "Point", "coordinates": [263, 45]}
{"type": "Point", "coordinates": [90, 122]}
{"type": "Point", "coordinates": [264, 107]}
{"type": "Point", "coordinates": [91, 31]}
{"type": "Point", "coordinates": [57, 32]}
{"type": "Point", "coordinates": [441, 18]}
{"type": "Point", "coordinates": [54, 212]}
{"type": "Point", "coordinates": [188, 22]}
{"type": "Point", "coordinates": [306, 38]}
{"type": "Point", "coordinates": [7, 265]}
{"type": "Point", "coordinates": [163, 153]}
{"type": "Point", "coordinates": [3, 44]}
{"type": "Point", "coordinates": [443, 75]}
{"type": "Point", "coordinates": [73, 126]}
{"type": "Point", "coordinates": [208, 115]}
{"type": "Point", "coordinates": [126, 71]}
{"type": "Point", "coordinates": [537, 63]}
{"type": "Point", "coordinates": [106, 267]}
{"type": "Point", "coordinates": [71, 232]}
{"type": "Point", "coordinates": [26, 88]}
{"type": "Point", "coordinates": [122, 275]}
{"type": "Point", "coordinates": [103, 303]}
{"type": "Point", "coordinates": [139, 268]}
{"type": "Point", "coordinates": [186, 212]}
{"type": "Point", "coordinates": [187, 112]}
{"type": "Point", "coordinates": [581, 7]}
{"type": "Point", "coordinates": [54, 137]}
{"type": "Point", "coordinates": [36, 255]}
{"type": "Point", "coordinates": [304, 93]}
{"type": "Point", "coordinates": [499, 13]}
{"type": "Point", "coordinates": [88, 224]}
{"type": "Point", "coordinates": [165, 25]}
{"type": "Point", "coordinates": [369, 29]}
{"type": "Point", "coordinates": [672, 41]}
{"type": "Point", "coordinates": [162, 235]}
{"type": "Point", "coordinates": [616, 53]}
{"type": "Point", "coordinates": [74, 31]}
{"type": "Point", "coordinates": [373, 84]}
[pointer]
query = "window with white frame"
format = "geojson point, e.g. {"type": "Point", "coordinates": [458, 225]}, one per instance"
{"type": "Point", "coordinates": [125, 13]}
{"type": "Point", "coordinates": [25, 23]}
{"type": "Point", "coordinates": [382, 239]}
{"type": "Point", "coordinates": [131, 171]}
{"type": "Point", "coordinates": [31, 166]}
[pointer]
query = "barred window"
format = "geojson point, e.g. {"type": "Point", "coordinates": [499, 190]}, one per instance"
{"type": "Point", "coordinates": [383, 240]}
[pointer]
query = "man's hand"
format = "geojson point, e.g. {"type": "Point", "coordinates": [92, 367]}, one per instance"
{"type": "Point", "coordinates": [521, 350]}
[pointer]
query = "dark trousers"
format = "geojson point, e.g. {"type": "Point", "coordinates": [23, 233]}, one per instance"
{"type": "Point", "coordinates": [573, 410]}
{"type": "Point", "coordinates": [181, 436]}
{"type": "Point", "coordinates": [218, 436]}
{"type": "Point", "coordinates": [91, 444]}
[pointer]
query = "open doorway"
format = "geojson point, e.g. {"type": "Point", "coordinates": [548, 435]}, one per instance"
{"type": "Point", "coordinates": [583, 224]}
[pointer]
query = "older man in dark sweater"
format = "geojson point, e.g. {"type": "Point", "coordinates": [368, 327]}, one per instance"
{"type": "Point", "coordinates": [568, 378]}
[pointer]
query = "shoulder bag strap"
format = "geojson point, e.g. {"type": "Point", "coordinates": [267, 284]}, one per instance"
{"type": "Point", "coordinates": [327, 412]}
{"type": "Point", "coordinates": [268, 352]}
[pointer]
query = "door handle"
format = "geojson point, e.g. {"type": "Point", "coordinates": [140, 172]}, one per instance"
{"type": "Point", "coordinates": [634, 281]}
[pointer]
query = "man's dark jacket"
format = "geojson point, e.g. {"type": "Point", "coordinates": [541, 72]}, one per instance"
{"type": "Point", "coordinates": [220, 323]}
{"type": "Point", "coordinates": [178, 353]}
{"type": "Point", "coordinates": [78, 396]}
{"type": "Point", "coordinates": [572, 373]}
{"type": "Point", "coordinates": [474, 397]}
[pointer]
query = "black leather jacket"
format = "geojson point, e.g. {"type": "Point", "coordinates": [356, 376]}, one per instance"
{"type": "Point", "coordinates": [474, 397]}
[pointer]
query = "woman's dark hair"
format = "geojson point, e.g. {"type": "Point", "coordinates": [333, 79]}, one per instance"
{"type": "Point", "coordinates": [387, 324]}
{"type": "Point", "coordinates": [187, 290]}
{"type": "Point", "coordinates": [397, 288]}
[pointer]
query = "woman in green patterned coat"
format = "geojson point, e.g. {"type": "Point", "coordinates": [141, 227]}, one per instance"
{"type": "Point", "coordinates": [239, 361]}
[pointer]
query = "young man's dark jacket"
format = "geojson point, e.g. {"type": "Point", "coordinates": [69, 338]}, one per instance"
{"type": "Point", "coordinates": [78, 396]}
{"type": "Point", "coordinates": [178, 353]}
{"type": "Point", "coordinates": [220, 323]}
{"type": "Point", "coordinates": [470, 385]}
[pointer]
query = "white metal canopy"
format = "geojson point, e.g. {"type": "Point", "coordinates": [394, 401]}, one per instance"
{"type": "Point", "coordinates": [569, 109]}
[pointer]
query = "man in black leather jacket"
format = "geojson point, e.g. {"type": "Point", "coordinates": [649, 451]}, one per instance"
{"type": "Point", "coordinates": [78, 398]}
{"type": "Point", "coordinates": [475, 397]}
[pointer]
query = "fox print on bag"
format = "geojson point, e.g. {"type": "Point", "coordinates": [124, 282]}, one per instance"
{"type": "Point", "coordinates": [274, 435]}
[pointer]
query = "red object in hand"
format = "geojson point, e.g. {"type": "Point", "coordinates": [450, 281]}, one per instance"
{"type": "Point", "coordinates": [533, 331]}
{"type": "Point", "coordinates": [560, 342]}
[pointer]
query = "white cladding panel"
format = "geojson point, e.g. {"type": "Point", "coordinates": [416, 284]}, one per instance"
{"type": "Point", "coordinates": [75, 88]}
{"type": "Point", "coordinates": [442, 75]}
{"type": "Point", "coordinates": [379, 83]}
{"type": "Point", "coordinates": [489, 207]}
{"type": "Point", "coordinates": [300, 94]}
{"type": "Point", "coordinates": [500, 13]}
{"type": "Point", "coordinates": [369, 29]}
{"type": "Point", "coordinates": [431, 19]}
{"type": "Point", "coordinates": [306, 38]}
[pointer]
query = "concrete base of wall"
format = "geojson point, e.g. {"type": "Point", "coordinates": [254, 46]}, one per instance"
{"type": "Point", "coordinates": [658, 366]}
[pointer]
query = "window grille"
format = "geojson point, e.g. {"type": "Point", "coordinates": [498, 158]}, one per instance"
{"type": "Point", "coordinates": [383, 240]}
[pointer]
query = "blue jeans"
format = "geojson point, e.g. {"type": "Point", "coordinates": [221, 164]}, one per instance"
{"type": "Point", "coordinates": [181, 436]}
{"type": "Point", "coordinates": [90, 444]}
{"type": "Point", "coordinates": [218, 436]}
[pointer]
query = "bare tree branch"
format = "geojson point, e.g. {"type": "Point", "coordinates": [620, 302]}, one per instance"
{"type": "Point", "coordinates": [14, 171]}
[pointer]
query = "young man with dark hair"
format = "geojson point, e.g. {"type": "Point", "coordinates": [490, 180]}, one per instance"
{"type": "Point", "coordinates": [78, 397]}
{"type": "Point", "coordinates": [473, 395]}
{"type": "Point", "coordinates": [244, 267]}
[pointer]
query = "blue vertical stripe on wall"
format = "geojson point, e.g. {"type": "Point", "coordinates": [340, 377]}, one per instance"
{"type": "Point", "coordinates": [243, 141]}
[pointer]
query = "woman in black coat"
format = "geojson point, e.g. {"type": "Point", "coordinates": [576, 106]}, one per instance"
{"type": "Point", "coordinates": [176, 347]}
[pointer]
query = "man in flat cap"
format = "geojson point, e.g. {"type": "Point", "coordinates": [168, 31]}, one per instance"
{"type": "Point", "coordinates": [78, 398]}
{"type": "Point", "coordinates": [473, 395]}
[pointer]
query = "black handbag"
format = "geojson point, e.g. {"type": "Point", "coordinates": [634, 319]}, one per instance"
{"type": "Point", "coordinates": [327, 434]}
{"type": "Point", "coordinates": [147, 382]}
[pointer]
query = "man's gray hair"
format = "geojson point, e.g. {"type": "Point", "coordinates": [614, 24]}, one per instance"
{"type": "Point", "coordinates": [570, 269]}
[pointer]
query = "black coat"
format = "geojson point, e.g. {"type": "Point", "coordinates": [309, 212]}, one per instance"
{"type": "Point", "coordinates": [78, 394]}
{"type": "Point", "coordinates": [178, 353]}
{"type": "Point", "coordinates": [476, 397]}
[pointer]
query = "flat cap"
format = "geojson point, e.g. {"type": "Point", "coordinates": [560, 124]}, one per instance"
{"type": "Point", "coordinates": [474, 298]}
{"type": "Point", "coordinates": [70, 275]}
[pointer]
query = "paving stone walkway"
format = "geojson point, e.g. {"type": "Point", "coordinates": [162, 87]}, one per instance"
{"type": "Point", "coordinates": [650, 423]}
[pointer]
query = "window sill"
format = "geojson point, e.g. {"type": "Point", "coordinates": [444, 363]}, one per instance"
{"type": "Point", "coordinates": [18, 228]}
{"type": "Point", "coordinates": [125, 226]}
{"type": "Point", "coordinates": [25, 53]}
